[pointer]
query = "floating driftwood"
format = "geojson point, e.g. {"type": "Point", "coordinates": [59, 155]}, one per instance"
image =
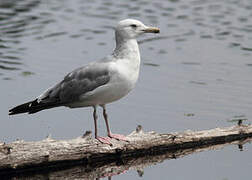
{"type": "Point", "coordinates": [120, 166]}
{"type": "Point", "coordinates": [47, 155]}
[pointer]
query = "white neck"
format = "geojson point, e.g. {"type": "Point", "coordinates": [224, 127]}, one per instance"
{"type": "Point", "coordinates": [127, 55]}
{"type": "Point", "coordinates": [127, 49]}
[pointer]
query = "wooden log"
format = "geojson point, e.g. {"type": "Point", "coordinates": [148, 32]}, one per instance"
{"type": "Point", "coordinates": [20, 156]}
{"type": "Point", "coordinates": [112, 168]}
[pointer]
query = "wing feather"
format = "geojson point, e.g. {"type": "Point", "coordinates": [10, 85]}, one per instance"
{"type": "Point", "coordinates": [77, 83]}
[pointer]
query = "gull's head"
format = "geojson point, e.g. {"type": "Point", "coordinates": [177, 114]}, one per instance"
{"type": "Point", "coordinates": [131, 28]}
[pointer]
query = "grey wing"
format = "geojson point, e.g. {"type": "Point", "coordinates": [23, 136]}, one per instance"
{"type": "Point", "coordinates": [77, 83]}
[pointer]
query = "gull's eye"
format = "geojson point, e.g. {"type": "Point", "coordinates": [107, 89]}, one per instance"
{"type": "Point", "coordinates": [133, 25]}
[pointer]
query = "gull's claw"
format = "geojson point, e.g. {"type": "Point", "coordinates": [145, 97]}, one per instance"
{"type": "Point", "coordinates": [104, 140]}
{"type": "Point", "coordinates": [119, 137]}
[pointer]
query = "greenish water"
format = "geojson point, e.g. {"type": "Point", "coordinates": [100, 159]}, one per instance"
{"type": "Point", "coordinates": [195, 75]}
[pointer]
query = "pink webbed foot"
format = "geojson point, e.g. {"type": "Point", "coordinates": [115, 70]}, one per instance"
{"type": "Point", "coordinates": [119, 137]}
{"type": "Point", "coordinates": [104, 140]}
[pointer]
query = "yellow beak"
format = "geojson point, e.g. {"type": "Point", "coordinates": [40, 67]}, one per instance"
{"type": "Point", "coordinates": [151, 30]}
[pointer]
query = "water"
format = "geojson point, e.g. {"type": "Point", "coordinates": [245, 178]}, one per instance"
{"type": "Point", "coordinates": [195, 75]}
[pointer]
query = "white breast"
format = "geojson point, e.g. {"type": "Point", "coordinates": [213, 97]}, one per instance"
{"type": "Point", "coordinates": [123, 71]}
{"type": "Point", "coordinates": [123, 75]}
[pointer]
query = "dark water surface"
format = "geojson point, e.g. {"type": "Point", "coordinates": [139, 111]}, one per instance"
{"type": "Point", "coordinates": [196, 74]}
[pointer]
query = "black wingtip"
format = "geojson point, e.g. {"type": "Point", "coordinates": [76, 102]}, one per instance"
{"type": "Point", "coordinates": [23, 108]}
{"type": "Point", "coordinates": [32, 107]}
{"type": "Point", "coordinates": [11, 113]}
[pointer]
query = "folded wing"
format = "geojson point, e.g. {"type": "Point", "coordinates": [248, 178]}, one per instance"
{"type": "Point", "coordinates": [69, 90]}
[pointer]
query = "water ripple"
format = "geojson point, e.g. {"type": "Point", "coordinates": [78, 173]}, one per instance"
{"type": "Point", "coordinates": [14, 23]}
{"type": "Point", "coordinates": [36, 20]}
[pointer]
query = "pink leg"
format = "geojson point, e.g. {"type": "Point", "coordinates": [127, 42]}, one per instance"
{"type": "Point", "coordinates": [104, 140]}
{"type": "Point", "coordinates": [115, 136]}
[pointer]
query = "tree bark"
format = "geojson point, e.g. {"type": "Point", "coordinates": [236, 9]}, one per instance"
{"type": "Point", "coordinates": [47, 155]}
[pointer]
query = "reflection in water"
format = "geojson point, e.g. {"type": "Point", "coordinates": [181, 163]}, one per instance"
{"type": "Point", "coordinates": [51, 35]}
{"type": "Point", "coordinates": [247, 48]}
{"type": "Point", "coordinates": [14, 21]}
{"type": "Point", "coordinates": [214, 84]}
{"type": "Point", "coordinates": [151, 64]}
{"type": "Point", "coordinates": [239, 119]}
{"type": "Point", "coordinates": [122, 165]}
{"type": "Point", "coordinates": [29, 18]}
